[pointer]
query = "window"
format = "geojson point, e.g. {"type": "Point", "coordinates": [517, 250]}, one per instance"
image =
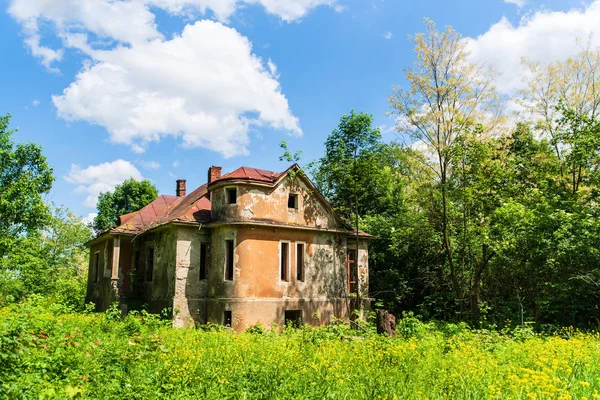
{"type": "Point", "coordinates": [284, 260]}
{"type": "Point", "coordinates": [299, 261]}
{"type": "Point", "coordinates": [231, 195]}
{"type": "Point", "coordinates": [293, 201]}
{"type": "Point", "coordinates": [96, 270]}
{"type": "Point", "coordinates": [203, 258]}
{"type": "Point", "coordinates": [227, 318]}
{"type": "Point", "coordinates": [229, 260]}
{"type": "Point", "coordinates": [293, 318]}
{"type": "Point", "coordinates": [150, 264]}
{"type": "Point", "coordinates": [352, 271]}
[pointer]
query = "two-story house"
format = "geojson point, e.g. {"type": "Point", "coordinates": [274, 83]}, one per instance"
{"type": "Point", "coordinates": [247, 247]}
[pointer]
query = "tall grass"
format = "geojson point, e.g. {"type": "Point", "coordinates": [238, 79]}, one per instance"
{"type": "Point", "coordinates": [47, 352]}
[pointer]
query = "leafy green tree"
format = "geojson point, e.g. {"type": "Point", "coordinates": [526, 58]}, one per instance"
{"type": "Point", "coordinates": [25, 177]}
{"type": "Point", "coordinates": [51, 262]}
{"type": "Point", "coordinates": [127, 197]}
{"type": "Point", "coordinates": [352, 173]}
{"type": "Point", "coordinates": [447, 96]}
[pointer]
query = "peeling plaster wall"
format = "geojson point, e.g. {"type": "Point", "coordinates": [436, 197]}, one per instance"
{"type": "Point", "coordinates": [100, 292]}
{"type": "Point", "coordinates": [271, 204]}
{"type": "Point", "coordinates": [158, 294]}
{"type": "Point", "coordinates": [257, 294]}
{"type": "Point", "coordinates": [189, 299]}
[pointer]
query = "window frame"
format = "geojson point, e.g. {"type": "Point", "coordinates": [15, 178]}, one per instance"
{"type": "Point", "coordinates": [228, 190]}
{"type": "Point", "coordinates": [300, 277]}
{"type": "Point", "coordinates": [296, 201]}
{"type": "Point", "coordinates": [229, 259]}
{"type": "Point", "coordinates": [149, 272]}
{"type": "Point", "coordinates": [203, 269]}
{"type": "Point", "coordinates": [228, 318]}
{"type": "Point", "coordinates": [288, 258]}
{"type": "Point", "coordinates": [96, 266]}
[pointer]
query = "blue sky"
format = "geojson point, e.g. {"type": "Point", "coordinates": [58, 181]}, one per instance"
{"type": "Point", "coordinates": [162, 89]}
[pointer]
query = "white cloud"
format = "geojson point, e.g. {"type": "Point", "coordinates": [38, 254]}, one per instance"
{"type": "Point", "coordinates": [149, 164]}
{"type": "Point", "coordinates": [101, 178]}
{"type": "Point", "coordinates": [88, 219]}
{"type": "Point", "coordinates": [388, 35]}
{"type": "Point", "coordinates": [204, 85]}
{"type": "Point", "coordinates": [518, 3]}
{"type": "Point", "coordinates": [543, 36]}
{"type": "Point", "coordinates": [35, 102]}
{"type": "Point", "coordinates": [175, 164]}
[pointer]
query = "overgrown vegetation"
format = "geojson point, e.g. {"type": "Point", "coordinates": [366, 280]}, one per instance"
{"type": "Point", "coordinates": [49, 353]}
{"type": "Point", "coordinates": [479, 220]}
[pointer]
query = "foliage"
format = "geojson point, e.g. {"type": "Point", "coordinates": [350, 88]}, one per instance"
{"type": "Point", "coordinates": [52, 261]}
{"type": "Point", "coordinates": [127, 197]}
{"type": "Point", "coordinates": [50, 355]}
{"type": "Point", "coordinates": [25, 177]}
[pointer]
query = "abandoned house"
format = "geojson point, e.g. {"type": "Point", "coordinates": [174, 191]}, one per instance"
{"type": "Point", "coordinates": [247, 247]}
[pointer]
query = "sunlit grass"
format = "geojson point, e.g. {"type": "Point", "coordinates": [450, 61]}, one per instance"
{"type": "Point", "coordinates": [49, 355]}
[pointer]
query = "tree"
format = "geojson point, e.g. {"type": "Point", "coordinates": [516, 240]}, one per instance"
{"type": "Point", "coordinates": [448, 95]}
{"type": "Point", "coordinates": [573, 82]}
{"type": "Point", "coordinates": [127, 197]}
{"type": "Point", "coordinates": [25, 177]}
{"type": "Point", "coordinates": [51, 262]}
{"type": "Point", "coordinates": [352, 174]}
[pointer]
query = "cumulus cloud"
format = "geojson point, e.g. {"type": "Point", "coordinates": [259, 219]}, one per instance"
{"type": "Point", "coordinates": [95, 179]}
{"type": "Point", "coordinates": [518, 3]}
{"type": "Point", "coordinates": [149, 164]}
{"type": "Point", "coordinates": [88, 219]}
{"type": "Point", "coordinates": [203, 85]}
{"type": "Point", "coordinates": [388, 35]}
{"type": "Point", "coordinates": [543, 36]}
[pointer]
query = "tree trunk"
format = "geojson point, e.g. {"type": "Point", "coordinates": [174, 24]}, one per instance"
{"type": "Point", "coordinates": [446, 238]}
{"type": "Point", "coordinates": [476, 284]}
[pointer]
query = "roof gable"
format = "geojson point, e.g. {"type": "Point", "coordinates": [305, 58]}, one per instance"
{"type": "Point", "coordinates": [195, 208]}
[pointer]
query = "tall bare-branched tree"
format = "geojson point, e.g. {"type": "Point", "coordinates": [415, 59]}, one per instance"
{"type": "Point", "coordinates": [447, 96]}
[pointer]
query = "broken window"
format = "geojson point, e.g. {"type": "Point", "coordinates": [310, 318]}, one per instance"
{"type": "Point", "coordinates": [293, 201]}
{"type": "Point", "coordinates": [299, 261]}
{"type": "Point", "coordinates": [293, 318]}
{"type": "Point", "coordinates": [150, 264]}
{"type": "Point", "coordinates": [284, 260]}
{"type": "Point", "coordinates": [352, 271]}
{"type": "Point", "coordinates": [96, 270]}
{"type": "Point", "coordinates": [227, 318]}
{"type": "Point", "coordinates": [231, 195]}
{"type": "Point", "coordinates": [229, 260]}
{"type": "Point", "coordinates": [203, 259]}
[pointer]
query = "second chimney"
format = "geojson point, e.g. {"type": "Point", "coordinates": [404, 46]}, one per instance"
{"type": "Point", "coordinates": [214, 173]}
{"type": "Point", "coordinates": [180, 190]}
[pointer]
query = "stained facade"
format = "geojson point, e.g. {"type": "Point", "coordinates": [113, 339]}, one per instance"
{"type": "Point", "coordinates": [249, 247]}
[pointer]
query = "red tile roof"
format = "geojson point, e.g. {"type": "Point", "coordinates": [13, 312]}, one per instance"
{"type": "Point", "coordinates": [193, 208]}
{"type": "Point", "coordinates": [251, 174]}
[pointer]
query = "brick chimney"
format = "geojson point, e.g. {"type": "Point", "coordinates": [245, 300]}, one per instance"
{"type": "Point", "coordinates": [180, 189]}
{"type": "Point", "coordinates": [214, 173]}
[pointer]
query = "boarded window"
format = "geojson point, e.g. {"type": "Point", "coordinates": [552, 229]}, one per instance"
{"type": "Point", "coordinates": [203, 259]}
{"type": "Point", "coordinates": [96, 270]}
{"type": "Point", "coordinates": [284, 260]}
{"type": "Point", "coordinates": [352, 271]}
{"type": "Point", "coordinates": [229, 260]}
{"type": "Point", "coordinates": [293, 201]}
{"type": "Point", "coordinates": [293, 318]}
{"type": "Point", "coordinates": [300, 261]}
{"type": "Point", "coordinates": [231, 195]}
{"type": "Point", "coordinates": [150, 264]}
{"type": "Point", "coordinates": [227, 318]}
